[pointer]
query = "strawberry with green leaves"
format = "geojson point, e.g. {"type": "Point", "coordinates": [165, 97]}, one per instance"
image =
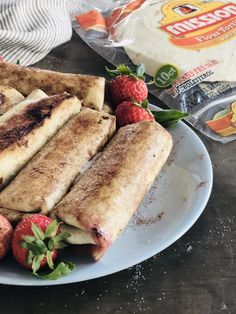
{"type": "Point", "coordinates": [127, 84]}
{"type": "Point", "coordinates": [129, 112]}
{"type": "Point", "coordinates": [35, 242]}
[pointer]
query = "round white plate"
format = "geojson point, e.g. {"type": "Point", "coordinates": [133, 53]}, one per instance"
{"type": "Point", "coordinates": [176, 200]}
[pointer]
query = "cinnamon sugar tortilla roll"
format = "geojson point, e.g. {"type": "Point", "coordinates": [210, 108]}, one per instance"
{"type": "Point", "coordinates": [89, 89]}
{"type": "Point", "coordinates": [8, 98]}
{"type": "Point", "coordinates": [101, 203]}
{"type": "Point", "coordinates": [27, 126]}
{"type": "Point", "coordinates": [13, 216]}
{"type": "Point", "coordinates": [48, 176]}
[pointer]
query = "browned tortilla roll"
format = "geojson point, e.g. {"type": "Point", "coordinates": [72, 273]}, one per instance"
{"type": "Point", "coordinates": [102, 202]}
{"type": "Point", "coordinates": [47, 177]}
{"type": "Point", "coordinates": [89, 89]}
{"type": "Point", "coordinates": [13, 216]}
{"type": "Point", "coordinates": [26, 127]}
{"type": "Point", "coordinates": [9, 97]}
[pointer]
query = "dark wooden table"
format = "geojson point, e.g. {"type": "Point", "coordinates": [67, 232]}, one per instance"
{"type": "Point", "coordinates": [196, 275]}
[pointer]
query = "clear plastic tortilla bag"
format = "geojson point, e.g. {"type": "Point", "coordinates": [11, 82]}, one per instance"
{"type": "Point", "coordinates": [188, 49]}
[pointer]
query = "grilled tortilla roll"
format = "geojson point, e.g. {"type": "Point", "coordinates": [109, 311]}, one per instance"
{"type": "Point", "coordinates": [13, 216]}
{"type": "Point", "coordinates": [101, 203]}
{"type": "Point", "coordinates": [47, 177]}
{"type": "Point", "coordinates": [8, 98]}
{"type": "Point", "coordinates": [89, 89]}
{"type": "Point", "coordinates": [26, 127]}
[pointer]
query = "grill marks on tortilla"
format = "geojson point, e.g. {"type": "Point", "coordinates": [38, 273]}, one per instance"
{"type": "Point", "coordinates": [32, 117]}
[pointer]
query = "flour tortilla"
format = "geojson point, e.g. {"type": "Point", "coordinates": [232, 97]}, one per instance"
{"type": "Point", "coordinates": [150, 45]}
{"type": "Point", "coordinates": [89, 89]}
{"type": "Point", "coordinates": [9, 97]}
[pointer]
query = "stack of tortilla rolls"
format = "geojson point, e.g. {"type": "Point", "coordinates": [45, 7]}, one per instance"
{"type": "Point", "coordinates": [48, 176]}
{"type": "Point", "coordinates": [27, 126]}
{"type": "Point", "coordinates": [60, 160]}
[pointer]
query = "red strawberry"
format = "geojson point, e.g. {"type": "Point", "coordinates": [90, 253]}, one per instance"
{"type": "Point", "coordinates": [6, 232]}
{"type": "Point", "coordinates": [129, 112]}
{"type": "Point", "coordinates": [127, 88]}
{"type": "Point", "coordinates": [127, 85]}
{"type": "Point", "coordinates": [36, 240]}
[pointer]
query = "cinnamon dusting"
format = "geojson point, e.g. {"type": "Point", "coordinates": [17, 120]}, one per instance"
{"type": "Point", "coordinates": [149, 221]}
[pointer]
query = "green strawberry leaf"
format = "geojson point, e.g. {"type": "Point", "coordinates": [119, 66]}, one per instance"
{"type": "Point", "coordinates": [38, 233]}
{"type": "Point", "coordinates": [169, 117]}
{"type": "Point", "coordinates": [49, 259]}
{"type": "Point", "coordinates": [51, 244]}
{"type": "Point", "coordinates": [62, 269]}
{"type": "Point", "coordinates": [30, 257]}
{"type": "Point", "coordinates": [145, 103]}
{"type": "Point", "coordinates": [52, 229]}
{"type": "Point", "coordinates": [58, 244]}
{"type": "Point", "coordinates": [123, 69]}
{"type": "Point", "coordinates": [113, 73]}
{"type": "Point", "coordinates": [25, 245]}
{"type": "Point", "coordinates": [28, 239]}
{"type": "Point", "coordinates": [38, 247]}
{"type": "Point", "coordinates": [37, 262]}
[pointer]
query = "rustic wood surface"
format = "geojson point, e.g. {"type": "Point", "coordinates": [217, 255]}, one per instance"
{"type": "Point", "coordinates": [196, 275]}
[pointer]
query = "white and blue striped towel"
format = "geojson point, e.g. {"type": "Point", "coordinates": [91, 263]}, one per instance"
{"type": "Point", "coordinates": [30, 29]}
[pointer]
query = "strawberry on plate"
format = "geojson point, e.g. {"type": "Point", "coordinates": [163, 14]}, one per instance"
{"type": "Point", "coordinates": [129, 112]}
{"type": "Point", "coordinates": [35, 242]}
{"type": "Point", "coordinates": [129, 92]}
{"type": "Point", "coordinates": [127, 85]}
{"type": "Point", "coordinates": [6, 232]}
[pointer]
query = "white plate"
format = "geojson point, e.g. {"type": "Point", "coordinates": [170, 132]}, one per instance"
{"type": "Point", "coordinates": [176, 200]}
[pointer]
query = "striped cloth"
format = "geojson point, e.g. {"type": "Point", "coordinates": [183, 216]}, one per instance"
{"type": "Point", "coordinates": [30, 29]}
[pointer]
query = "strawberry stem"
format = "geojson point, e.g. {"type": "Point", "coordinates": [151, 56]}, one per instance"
{"type": "Point", "coordinates": [41, 244]}
{"type": "Point", "coordinates": [123, 69]}
{"type": "Point", "coordinates": [61, 270]}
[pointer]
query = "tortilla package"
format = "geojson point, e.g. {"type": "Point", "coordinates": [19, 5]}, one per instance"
{"type": "Point", "coordinates": [187, 47]}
